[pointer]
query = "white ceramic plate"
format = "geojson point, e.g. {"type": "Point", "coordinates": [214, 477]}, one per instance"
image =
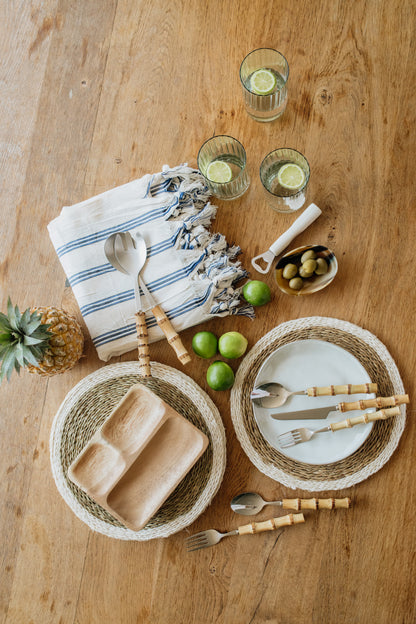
{"type": "Point", "coordinates": [298, 366]}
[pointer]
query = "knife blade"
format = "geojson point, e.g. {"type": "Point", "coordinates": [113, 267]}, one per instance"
{"type": "Point", "coordinates": [318, 413]}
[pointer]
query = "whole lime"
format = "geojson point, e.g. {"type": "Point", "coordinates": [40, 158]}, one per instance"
{"type": "Point", "coordinates": [204, 344]}
{"type": "Point", "coordinates": [220, 376]}
{"type": "Point", "coordinates": [257, 293]}
{"type": "Point", "coordinates": [232, 345]}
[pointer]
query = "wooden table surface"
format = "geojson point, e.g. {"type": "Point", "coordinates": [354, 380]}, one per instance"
{"type": "Point", "coordinates": [95, 94]}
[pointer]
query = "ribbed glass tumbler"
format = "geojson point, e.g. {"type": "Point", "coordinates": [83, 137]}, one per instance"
{"type": "Point", "coordinates": [284, 174]}
{"type": "Point", "coordinates": [222, 161]}
{"type": "Point", "coordinates": [264, 74]}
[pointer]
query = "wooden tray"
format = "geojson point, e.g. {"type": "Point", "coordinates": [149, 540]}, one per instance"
{"type": "Point", "coordinates": [137, 458]}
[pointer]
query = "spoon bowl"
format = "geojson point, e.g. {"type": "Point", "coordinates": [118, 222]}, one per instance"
{"type": "Point", "coordinates": [271, 395]}
{"type": "Point", "coordinates": [250, 503]}
{"type": "Point", "coordinates": [128, 257]}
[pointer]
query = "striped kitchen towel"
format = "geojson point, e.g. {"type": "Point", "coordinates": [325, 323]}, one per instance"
{"type": "Point", "coordinates": [192, 273]}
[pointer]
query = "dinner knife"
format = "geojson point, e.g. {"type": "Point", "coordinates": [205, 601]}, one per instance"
{"type": "Point", "coordinates": [318, 413]}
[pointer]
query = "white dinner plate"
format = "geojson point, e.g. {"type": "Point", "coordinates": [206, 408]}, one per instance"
{"type": "Point", "coordinates": [298, 366]}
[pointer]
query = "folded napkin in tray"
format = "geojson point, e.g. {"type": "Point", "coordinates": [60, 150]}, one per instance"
{"type": "Point", "coordinates": [190, 272]}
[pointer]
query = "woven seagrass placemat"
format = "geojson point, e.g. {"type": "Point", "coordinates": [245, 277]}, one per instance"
{"type": "Point", "coordinates": [85, 409]}
{"type": "Point", "coordinates": [367, 459]}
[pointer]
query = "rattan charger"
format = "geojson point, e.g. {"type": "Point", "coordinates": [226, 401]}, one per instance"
{"type": "Point", "coordinates": [84, 410]}
{"type": "Point", "coordinates": [365, 461]}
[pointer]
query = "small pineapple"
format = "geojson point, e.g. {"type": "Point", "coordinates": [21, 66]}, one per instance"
{"type": "Point", "coordinates": [45, 340]}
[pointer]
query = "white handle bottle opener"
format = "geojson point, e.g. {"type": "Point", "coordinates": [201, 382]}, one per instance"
{"type": "Point", "coordinates": [311, 213]}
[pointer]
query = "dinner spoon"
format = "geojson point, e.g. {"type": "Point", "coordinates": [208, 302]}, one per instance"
{"type": "Point", "coordinates": [274, 394]}
{"type": "Point", "coordinates": [250, 503]}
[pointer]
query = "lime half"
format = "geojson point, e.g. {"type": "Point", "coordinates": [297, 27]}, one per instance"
{"type": "Point", "coordinates": [263, 82]}
{"type": "Point", "coordinates": [219, 171]}
{"type": "Point", "coordinates": [291, 176]}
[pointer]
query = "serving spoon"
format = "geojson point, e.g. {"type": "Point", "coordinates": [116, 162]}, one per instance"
{"type": "Point", "coordinates": [119, 257]}
{"type": "Point", "coordinates": [250, 503]}
{"type": "Point", "coordinates": [126, 257]}
{"type": "Point", "coordinates": [274, 394]}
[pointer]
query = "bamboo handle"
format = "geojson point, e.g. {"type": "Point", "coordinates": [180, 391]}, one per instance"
{"type": "Point", "coordinates": [367, 388]}
{"type": "Point", "coordinates": [171, 335]}
{"type": "Point", "coordinates": [316, 503]}
{"type": "Point", "coordinates": [397, 399]}
{"type": "Point", "coordinates": [365, 418]}
{"type": "Point", "coordinates": [270, 525]}
{"type": "Point", "coordinates": [142, 344]}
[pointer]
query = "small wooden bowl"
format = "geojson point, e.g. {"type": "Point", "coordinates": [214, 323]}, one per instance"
{"type": "Point", "coordinates": [311, 284]}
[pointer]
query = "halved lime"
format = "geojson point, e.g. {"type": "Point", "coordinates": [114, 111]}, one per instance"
{"type": "Point", "coordinates": [219, 171]}
{"type": "Point", "coordinates": [291, 176]}
{"type": "Point", "coordinates": [263, 82]}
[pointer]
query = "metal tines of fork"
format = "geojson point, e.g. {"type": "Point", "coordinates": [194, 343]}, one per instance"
{"type": "Point", "coordinates": [204, 539]}
{"type": "Point", "coordinates": [296, 436]}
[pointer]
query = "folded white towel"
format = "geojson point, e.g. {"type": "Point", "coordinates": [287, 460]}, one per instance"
{"type": "Point", "coordinates": [190, 272]}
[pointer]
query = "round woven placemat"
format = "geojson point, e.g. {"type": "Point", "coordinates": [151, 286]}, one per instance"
{"type": "Point", "coordinates": [366, 460]}
{"type": "Point", "coordinates": [84, 410]}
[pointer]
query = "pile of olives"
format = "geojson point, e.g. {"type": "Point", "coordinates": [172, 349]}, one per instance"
{"type": "Point", "coordinates": [310, 265]}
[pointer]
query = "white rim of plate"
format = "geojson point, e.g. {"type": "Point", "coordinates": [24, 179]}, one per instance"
{"type": "Point", "coordinates": [271, 470]}
{"type": "Point", "coordinates": [363, 432]}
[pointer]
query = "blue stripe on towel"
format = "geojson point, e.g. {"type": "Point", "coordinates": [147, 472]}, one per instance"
{"type": "Point", "coordinates": [130, 329]}
{"type": "Point", "coordinates": [102, 269]}
{"type": "Point", "coordinates": [126, 295]}
{"type": "Point", "coordinates": [82, 276]}
{"type": "Point", "coordinates": [97, 237]}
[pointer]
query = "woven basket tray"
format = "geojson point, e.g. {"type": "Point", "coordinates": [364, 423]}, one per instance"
{"type": "Point", "coordinates": [84, 410]}
{"type": "Point", "coordinates": [366, 460]}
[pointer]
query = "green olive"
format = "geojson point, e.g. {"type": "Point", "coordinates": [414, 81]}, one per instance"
{"type": "Point", "coordinates": [296, 283]}
{"type": "Point", "coordinates": [308, 255]}
{"type": "Point", "coordinates": [321, 266]}
{"type": "Point", "coordinates": [290, 271]}
{"type": "Point", "coordinates": [304, 273]}
{"type": "Point", "coordinates": [309, 266]}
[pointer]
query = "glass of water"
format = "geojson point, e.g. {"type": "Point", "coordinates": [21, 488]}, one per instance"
{"type": "Point", "coordinates": [264, 74]}
{"type": "Point", "coordinates": [284, 174]}
{"type": "Point", "coordinates": [222, 162]}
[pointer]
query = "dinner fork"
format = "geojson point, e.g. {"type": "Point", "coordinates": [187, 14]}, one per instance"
{"type": "Point", "coordinates": [296, 436]}
{"type": "Point", "coordinates": [204, 539]}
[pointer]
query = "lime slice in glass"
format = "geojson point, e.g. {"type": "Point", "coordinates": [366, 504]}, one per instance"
{"type": "Point", "coordinates": [219, 171]}
{"type": "Point", "coordinates": [291, 176]}
{"type": "Point", "coordinates": [263, 82]}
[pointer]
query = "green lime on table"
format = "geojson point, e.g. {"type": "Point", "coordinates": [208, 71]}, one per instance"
{"type": "Point", "coordinates": [263, 82]}
{"type": "Point", "coordinates": [205, 344]}
{"type": "Point", "coordinates": [232, 345]}
{"type": "Point", "coordinates": [219, 171]}
{"type": "Point", "coordinates": [220, 376]}
{"type": "Point", "coordinates": [291, 176]}
{"type": "Point", "coordinates": [257, 293]}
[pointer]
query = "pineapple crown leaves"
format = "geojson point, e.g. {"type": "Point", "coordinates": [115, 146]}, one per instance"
{"type": "Point", "coordinates": [23, 339]}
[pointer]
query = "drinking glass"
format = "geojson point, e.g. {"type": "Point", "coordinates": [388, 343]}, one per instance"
{"type": "Point", "coordinates": [269, 106]}
{"type": "Point", "coordinates": [226, 149]}
{"type": "Point", "coordinates": [281, 198]}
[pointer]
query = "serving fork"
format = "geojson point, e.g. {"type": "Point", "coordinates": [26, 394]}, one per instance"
{"type": "Point", "coordinates": [204, 539]}
{"type": "Point", "coordinates": [303, 434]}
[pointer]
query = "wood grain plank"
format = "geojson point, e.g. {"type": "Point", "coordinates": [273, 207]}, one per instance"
{"type": "Point", "coordinates": [67, 48]}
